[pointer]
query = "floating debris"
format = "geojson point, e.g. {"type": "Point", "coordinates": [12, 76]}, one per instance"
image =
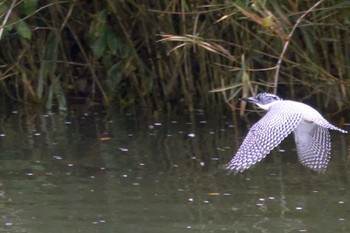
{"type": "Point", "coordinates": [57, 157]}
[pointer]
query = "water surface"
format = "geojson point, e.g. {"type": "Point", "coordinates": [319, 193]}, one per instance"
{"type": "Point", "coordinates": [127, 173]}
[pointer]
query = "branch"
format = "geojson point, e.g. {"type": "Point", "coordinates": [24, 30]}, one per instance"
{"type": "Point", "coordinates": [7, 16]}
{"type": "Point", "coordinates": [286, 44]}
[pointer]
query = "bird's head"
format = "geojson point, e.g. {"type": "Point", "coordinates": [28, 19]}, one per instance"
{"type": "Point", "coordinates": [263, 100]}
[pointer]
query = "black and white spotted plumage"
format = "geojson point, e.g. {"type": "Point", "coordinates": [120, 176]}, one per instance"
{"type": "Point", "coordinates": [313, 147]}
{"type": "Point", "coordinates": [310, 131]}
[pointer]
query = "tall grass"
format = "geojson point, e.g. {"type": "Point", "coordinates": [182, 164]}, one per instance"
{"type": "Point", "coordinates": [295, 50]}
{"type": "Point", "coordinates": [174, 54]}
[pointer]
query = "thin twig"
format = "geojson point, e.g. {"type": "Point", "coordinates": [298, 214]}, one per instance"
{"type": "Point", "coordinates": [6, 18]}
{"type": "Point", "coordinates": [286, 44]}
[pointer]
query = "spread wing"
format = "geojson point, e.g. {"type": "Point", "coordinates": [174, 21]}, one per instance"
{"type": "Point", "coordinates": [313, 146]}
{"type": "Point", "coordinates": [265, 135]}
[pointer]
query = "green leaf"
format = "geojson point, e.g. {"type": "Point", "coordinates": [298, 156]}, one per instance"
{"type": "Point", "coordinates": [29, 6]}
{"type": "Point", "coordinates": [97, 25]}
{"type": "Point", "coordinates": [112, 41]}
{"type": "Point", "coordinates": [24, 30]}
{"type": "Point", "coordinates": [99, 46]}
{"type": "Point", "coordinates": [114, 76]}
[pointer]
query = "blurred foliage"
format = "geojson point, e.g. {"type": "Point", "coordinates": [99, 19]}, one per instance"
{"type": "Point", "coordinates": [171, 54]}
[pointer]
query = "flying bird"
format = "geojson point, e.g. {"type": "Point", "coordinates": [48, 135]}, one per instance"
{"type": "Point", "coordinates": [310, 129]}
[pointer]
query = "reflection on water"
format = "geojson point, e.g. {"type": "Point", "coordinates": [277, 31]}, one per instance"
{"type": "Point", "coordinates": [124, 173]}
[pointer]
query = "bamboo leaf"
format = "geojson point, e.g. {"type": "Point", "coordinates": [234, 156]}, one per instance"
{"type": "Point", "coordinates": [255, 17]}
{"type": "Point", "coordinates": [221, 89]}
{"type": "Point", "coordinates": [56, 91]}
{"type": "Point", "coordinates": [60, 95]}
{"type": "Point", "coordinates": [48, 65]}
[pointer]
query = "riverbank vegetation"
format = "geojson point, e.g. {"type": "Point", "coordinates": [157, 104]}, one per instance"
{"type": "Point", "coordinates": [174, 54]}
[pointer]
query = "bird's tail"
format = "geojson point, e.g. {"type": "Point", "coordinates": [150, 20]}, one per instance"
{"type": "Point", "coordinates": [328, 125]}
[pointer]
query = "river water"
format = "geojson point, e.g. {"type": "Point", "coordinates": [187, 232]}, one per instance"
{"type": "Point", "coordinates": [121, 172]}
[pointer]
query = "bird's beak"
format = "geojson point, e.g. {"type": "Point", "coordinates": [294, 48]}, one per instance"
{"type": "Point", "coordinates": [248, 99]}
